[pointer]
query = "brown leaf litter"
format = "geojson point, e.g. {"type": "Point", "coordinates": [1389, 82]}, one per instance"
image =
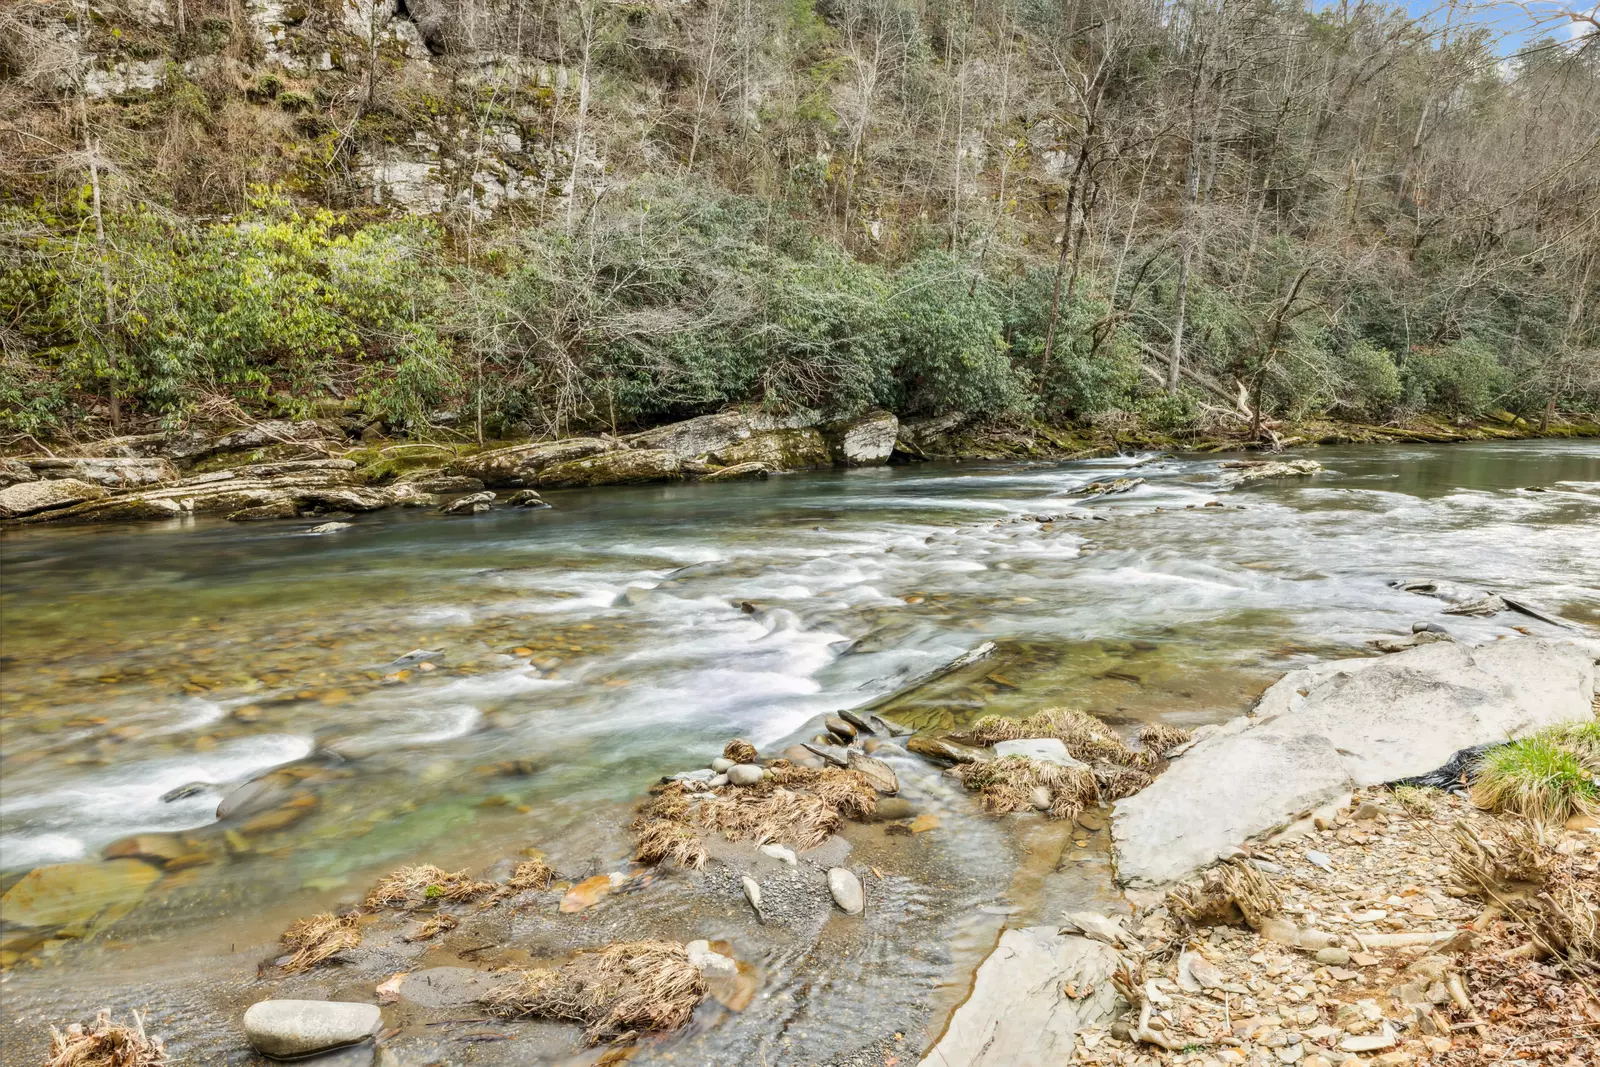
{"type": "Point", "coordinates": [796, 806]}
{"type": "Point", "coordinates": [619, 992]}
{"type": "Point", "coordinates": [319, 938]}
{"type": "Point", "coordinates": [105, 1044]}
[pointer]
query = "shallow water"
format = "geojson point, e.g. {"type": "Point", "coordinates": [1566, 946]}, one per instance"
{"type": "Point", "coordinates": [625, 633]}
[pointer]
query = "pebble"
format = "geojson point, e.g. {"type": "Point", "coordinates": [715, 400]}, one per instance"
{"type": "Point", "coordinates": [779, 852]}
{"type": "Point", "coordinates": [1320, 859]}
{"type": "Point", "coordinates": [752, 891]}
{"type": "Point", "coordinates": [846, 890]}
{"type": "Point", "coordinates": [745, 774]}
{"type": "Point", "coordinates": [290, 1028]}
{"type": "Point", "coordinates": [722, 764]}
{"type": "Point", "coordinates": [1333, 956]}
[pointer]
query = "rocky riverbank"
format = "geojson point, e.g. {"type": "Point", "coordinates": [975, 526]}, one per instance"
{"type": "Point", "coordinates": [340, 467]}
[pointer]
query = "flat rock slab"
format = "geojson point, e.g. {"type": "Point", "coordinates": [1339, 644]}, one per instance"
{"type": "Point", "coordinates": [26, 498]}
{"type": "Point", "coordinates": [1018, 1012]}
{"type": "Point", "coordinates": [285, 1029]}
{"type": "Point", "coordinates": [1332, 727]}
{"type": "Point", "coordinates": [1044, 749]}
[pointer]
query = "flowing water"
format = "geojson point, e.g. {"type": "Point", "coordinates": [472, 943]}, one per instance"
{"type": "Point", "coordinates": [574, 654]}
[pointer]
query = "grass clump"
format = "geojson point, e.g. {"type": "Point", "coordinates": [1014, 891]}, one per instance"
{"type": "Point", "coordinates": [1119, 771]}
{"type": "Point", "coordinates": [623, 990]}
{"type": "Point", "coordinates": [1228, 894]}
{"type": "Point", "coordinates": [739, 751]}
{"type": "Point", "coordinates": [439, 923]}
{"type": "Point", "coordinates": [531, 874]}
{"type": "Point", "coordinates": [1007, 784]}
{"type": "Point", "coordinates": [1161, 738]}
{"type": "Point", "coordinates": [1544, 777]}
{"type": "Point", "coordinates": [319, 938]}
{"type": "Point", "coordinates": [105, 1044]}
{"type": "Point", "coordinates": [411, 887]}
{"type": "Point", "coordinates": [1416, 800]}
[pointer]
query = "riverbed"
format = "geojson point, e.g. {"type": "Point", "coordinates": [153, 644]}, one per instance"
{"type": "Point", "coordinates": [448, 689]}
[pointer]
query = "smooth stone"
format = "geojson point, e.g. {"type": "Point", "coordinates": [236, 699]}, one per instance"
{"type": "Point", "coordinates": [936, 748]}
{"type": "Point", "coordinates": [284, 1029]}
{"type": "Point", "coordinates": [63, 894]}
{"type": "Point", "coordinates": [839, 728]}
{"type": "Point", "coordinates": [846, 890]}
{"type": "Point", "coordinates": [891, 808]}
{"type": "Point", "coordinates": [780, 853]}
{"type": "Point", "coordinates": [329, 527]}
{"type": "Point", "coordinates": [1043, 749]}
{"type": "Point", "coordinates": [1333, 956]}
{"type": "Point", "coordinates": [879, 773]}
{"type": "Point", "coordinates": [722, 764]}
{"type": "Point", "coordinates": [158, 848]}
{"type": "Point", "coordinates": [745, 774]}
{"type": "Point", "coordinates": [1040, 798]}
{"type": "Point", "coordinates": [1016, 1013]}
{"type": "Point", "coordinates": [752, 891]}
{"type": "Point", "coordinates": [801, 756]}
{"type": "Point", "coordinates": [26, 498]}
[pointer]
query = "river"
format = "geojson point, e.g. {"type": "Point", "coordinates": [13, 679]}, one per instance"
{"type": "Point", "coordinates": [577, 653]}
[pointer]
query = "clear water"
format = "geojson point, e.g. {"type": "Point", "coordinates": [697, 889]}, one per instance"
{"type": "Point", "coordinates": [624, 633]}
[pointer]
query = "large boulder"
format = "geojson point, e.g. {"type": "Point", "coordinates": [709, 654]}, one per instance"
{"type": "Point", "coordinates": [862, 442]}
{"type": "Point", "coordinates": [13, 471]}
{"type": "Point", "coordinates": [111, 471]}
{"type": "Point", "coordinates": [518, 467]}
{"type": "Point", "coordinates": [697, 437]}
{"type": "Point", "coordinates": [26, 498]}
{"type": "Point", "coordinates": [1322, 731]}
{"type": "Point", "coordinates": [1018, 1013]}
{"type": "Point", "coordinates": [631, 467]}
{"type": "Point", "coordinates": [115, 509]}
{"type": "Point", "coordinates": [779, 450]}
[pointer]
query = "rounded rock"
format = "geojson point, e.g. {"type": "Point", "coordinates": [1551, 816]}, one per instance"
{"type": "Point", "coordinates": [722, 764]}
{"type": "Point", "coordinates": [840, 729]}
{"type": "Point", "coordinates": [1040, 798]}
{"type": "Point", "coordinates": [745, 774]}
{"type": "Point", "coordinates": [752, 891]}
{"type": "Point", "coordinates": [846, 890]}
{"type": "Point", "coordinates": [285, 1029]}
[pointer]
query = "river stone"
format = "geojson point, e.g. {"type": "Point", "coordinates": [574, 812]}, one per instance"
{"type": "Point", "coordinates": [752, 891]}
{"type": "Point", "coordinates": [26, 498]}
{"type": "Point", "coordinates": [469, 505]}
{"type": "Point", "coordinates": [1016, 1013]}
{"type": "Point", "coordinates": [879, 773]}
{"type": "Point", "coordinates": [256, 795]}
{"type": "Point", "coordinates": [722, 765]}
{"type": "Point", "coordinates": [285, 1029]}
{"type": "Point", "coordinates": [846, 890]}
{"type": "Point", "coordinates": [614, 468]}
{"type": "Point", "coordinates": [862, 442]}
{"type": "Point", "coordinates": [329, 528]}
{"type": "Point", "coordinates": [745, 774]}
{"type": "Point", "coordinates": [526, 498]}
{"type": "Point", "coordinates": [739, 472]}
{"type": "Point", "coordinates": [1043, 749]}
{"type": "Point", "coordinates": [937, 748]}
{"type": "Point", "coordinates": [779, 450]}
{"type": "Point", "coordinates": [110, 471]}
{"type": "Point", "coordinates": [836, 726]}
{"type": "Point", "coordinates": [779, 853]}
{"type": "Point", "coordinates": [707, 961]}
{"type": "Point", "coordinates": [66, 894]}
{"type": "Point", "coordinates": [1322, 731]}
{"type": "Point", "coordinates": [519, 465]}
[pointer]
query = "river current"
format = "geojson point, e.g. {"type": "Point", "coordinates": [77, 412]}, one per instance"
{"type": "Point", "coordinates": [563, 659]}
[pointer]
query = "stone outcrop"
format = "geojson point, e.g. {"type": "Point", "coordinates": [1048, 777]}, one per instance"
{"type": "Point", "coordinates": [1324, 730]}
{"type": "Point", "coordinates": [518, 467]}
{"type": "Point", "coordinates": [111, 471]}
{"type": "Point", "coordinates": [866, 441]}
{"type": "Point", "coordinates": [779, 450]}
{"type": "Point", "coordinates": [1017, 1013]}
{"type": "Point", "coordinates": [28, 498]}
{"type": "Point", "coordinates": [631, 467]}
{"type": "Point", "coordinates": [13, 471]}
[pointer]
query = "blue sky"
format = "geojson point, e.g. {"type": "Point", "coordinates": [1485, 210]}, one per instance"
{"type": "Point", "coordinates": [1515, 25]}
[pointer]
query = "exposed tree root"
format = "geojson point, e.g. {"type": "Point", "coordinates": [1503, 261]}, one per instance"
{"type": "Point", "coordinates": [1227, 895]}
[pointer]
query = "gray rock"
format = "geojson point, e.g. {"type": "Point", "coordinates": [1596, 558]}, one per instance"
{"type": "Point", "coordinates": [329, 528]}
{"type": "Point", "coordinates": [846, 890]}
{"type": "Point", "coordinates": [840, 729]}
{"type": "Point", "coordinates": [469, 505]}
{"type": "Point", "coordinates": [1320, 859]}
{"type": "Point", "coordinates": [1333, 956]}
{"type": "Point", "coordinates": [745, 774]}
{"type": "Point", "coordinates": [435, 482]}
{"type": "Point", "coordinates": [739, 472]}
{"type": "Point", "coordinates": [13, 471]}
{"type": "Point", "coordinates": [706, 961]}
{"type": "Point", "coordinates": [698, 436]}
{"type": "Point", "coordinates": [780, 853]}
{"type": "Point", "coordinates": [26, 498]}
{"type": "Point", "coordinates": [637, 467]}
{"type": "Point", "coordinates": [278, 509]}
{"type": "Point", "coordinates": [1324, 730]}
{"type": "Point", "coordinates": [722, 765]}
{"type": "Point", "coordinates": [1044, 749]}
{"type": "Point", "coordinates": [866, 441]}
{"type": "Point", "coordinates": [519, 465]}
{"type": "Point", "coordinates": [1016, 1013]}
{"type": "Point", "coordinates": [526, 498]}
{"type": "Point", "coordinates": [879, 773]}
{"type": "Point", "coordinates": [285, 1029]}
{"type": "Point", "coordinates": [752, 891]}
{"type": "Point", "coordinates": [111, 471]}
{"type": "Point", "coordinates": [866, 722]}
{"type": "Point", "coordinates": [1243, 471]}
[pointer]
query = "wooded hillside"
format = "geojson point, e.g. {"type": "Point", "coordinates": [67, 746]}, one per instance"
{"type": "Point", "coordinates": [525, 218]}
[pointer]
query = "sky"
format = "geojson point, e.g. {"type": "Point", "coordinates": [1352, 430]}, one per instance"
{"type": "Point", "coordinates": [1516, 25]}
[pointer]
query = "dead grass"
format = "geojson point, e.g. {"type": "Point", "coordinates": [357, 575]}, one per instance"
{"type": "Point", "coordinates": [1007, 785]}
{"type": "Point", "coordinates": [411, 887]}
{"type": "Point", "coordinates": [106, 1044]}
{"type": "Point", "coordinates": [1161, 738]}
{"type": "Point", "coordinates": [797, 806]}
{"type": "Point", "coordinates": [1227, 895]}
{"type": "Point", "coordinates": [618, 993]}
{"type": "Point", "coordinates": [1417, 800]}
{"type": "Point", "coordinates": [531, 874]}
{"type": "Point", "coordinates": [1117, 781]}
{"type": "Point", "coordinates": [1557, 899]}
{"type": "Point", "coordinates": [1085, 737]}
{"type": "Point", "coordinates": [739, 751]}
{"type": "Point", "coordinates": [319, 938]}
{"type": "Point", "coordinates": [441, 923]}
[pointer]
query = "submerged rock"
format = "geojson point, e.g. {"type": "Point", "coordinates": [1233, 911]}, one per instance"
{"type": "Point", "coordinates": [73, 894]}
{"type": "Point", "coordinates": [614, 468]}
{"type": "Point", "coordinates": [329, 528]}
{"type": "Point", "coordinates": [286, 1029]}
{"type": "Point", "coordinates": [526, 498]}
{"type": "Point", "coordinates": [1017, 1012]}
{"type": "Point", "coordinates": [1322, 730]}
{"type": "Point", "coordinates": [937, 748]}
{"type": "Point", "coordinates": [737, 472]}
{"type": "Point", "coordinates": [1111, 488]}
{"type": "Point", "coordinates": [1242, 471]}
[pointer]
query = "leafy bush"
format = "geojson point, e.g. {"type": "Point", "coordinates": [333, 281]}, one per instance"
{"type": "Point", "coordinates": [1462, 378]}
{"type": "Point", "coordinates": [950, 354]}
{"type": "Point", "coordinates": [1371, 385]}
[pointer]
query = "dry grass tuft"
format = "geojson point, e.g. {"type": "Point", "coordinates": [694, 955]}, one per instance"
{"type": "Point", "coordinates": [1086, 737]}
{"type": "Point", "coordinates": [319, 938]}
{"type": "Point", "coordinates": [1554, 896]}
{"type": "Point", "coordinates": [1543, 777]}
{"type": "Point", "coordinates": [1117, 781]}
{"type": "Point", "coordinates": [1227, 895]}
{"type": "Point", "coordinates": [1161, 738]}
{"type": "Point", "coordinates": [1007, 785]}
{"type": "Point", "coordinates": [739, 751]}
{"type": "Point", "coordinates": [619, 992]}
{"type": "Point", "coordinates": [797, 806]}
{"type": "Point", "coordinates": [1417, 800]}
{"type": "Point", "coordinates": [411, 887]}
{"type": "Point", "coordinates": [531, 874]}
{"type": "Point", "coordinates": [439, 923]}
{"type": "Point", "coordinates": [106, 1044]}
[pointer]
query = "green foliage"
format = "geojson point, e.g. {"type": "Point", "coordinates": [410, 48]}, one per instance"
{"type": "Point", "coordinates": [1371, 384]}
{"type": "Point", "coordinates": [1463, 378]}
{"type": "Point", "coordinates": [1543, 777]}
{"type": "Point", "coordinates": [950, 352]}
